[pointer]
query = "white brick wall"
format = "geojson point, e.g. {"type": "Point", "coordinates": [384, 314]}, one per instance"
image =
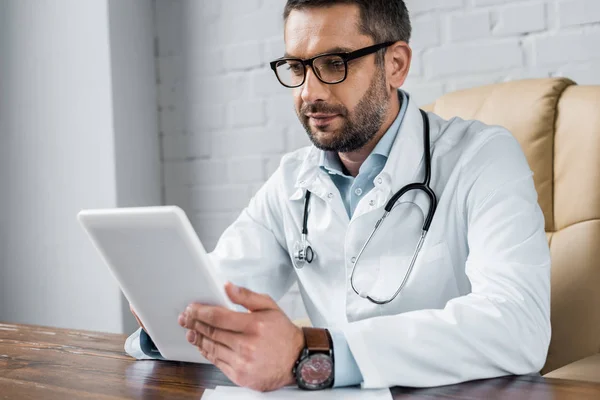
{"type": "Point", "coordinates": [225, 121]}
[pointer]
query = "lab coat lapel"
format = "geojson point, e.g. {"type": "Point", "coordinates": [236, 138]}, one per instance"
{"type": "Point", "coordinates": [310, 177]}
{"type": "Point", "coordinates": [404, 164]}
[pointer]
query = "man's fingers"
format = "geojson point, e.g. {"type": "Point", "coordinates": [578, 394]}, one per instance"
{"type": "Point", "coordinates": [226, 338]}
{"type": "Point", "coordinates": [249, 299]}
{"type": "Point", "coordinates": [222, 357]}
{"type": "Point", "coordinates": [211, 350]}
{"type": "Point", "coordinates": [217, 317]}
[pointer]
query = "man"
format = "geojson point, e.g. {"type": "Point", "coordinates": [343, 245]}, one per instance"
{"type": "Point", "coordinates": [470, 302]}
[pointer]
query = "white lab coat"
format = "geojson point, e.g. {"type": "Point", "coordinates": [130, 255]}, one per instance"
{"type": "Point", "coordinates": [477, 304]}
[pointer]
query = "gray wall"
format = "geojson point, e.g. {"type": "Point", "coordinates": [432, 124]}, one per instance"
{"type": "Point", "coordinates": [135, 116]}
{"type": "Point", "coordinates": [60, 148]}
{"type": "Point", "coordinates": [3, 150]}
{"type": "Point", "coordinates": [78, 119]}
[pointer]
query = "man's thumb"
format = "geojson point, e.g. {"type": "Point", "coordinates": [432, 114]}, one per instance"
{"type": "Point", "coordinates": [248, 299]}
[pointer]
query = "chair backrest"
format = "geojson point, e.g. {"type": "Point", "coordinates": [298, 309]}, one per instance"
{"type": "Point", "coordinates": [557, 124]}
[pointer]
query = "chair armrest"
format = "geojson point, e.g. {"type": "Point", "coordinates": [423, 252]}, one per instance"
{"type": "Point", "coordinates": [586, 369]}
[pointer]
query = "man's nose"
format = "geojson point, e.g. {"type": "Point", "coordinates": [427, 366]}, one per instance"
{"type": "Point", "coordinates": [313, 89]}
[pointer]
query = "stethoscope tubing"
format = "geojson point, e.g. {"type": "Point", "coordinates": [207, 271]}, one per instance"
{"type": "Point", "coordinates": [424, 186]}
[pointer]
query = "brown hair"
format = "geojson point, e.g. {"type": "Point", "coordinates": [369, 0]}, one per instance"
{"type": "Point", "coordinates": [383, 20]}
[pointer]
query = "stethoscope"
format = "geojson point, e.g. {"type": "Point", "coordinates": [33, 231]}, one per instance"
{"type": "Point", "coordinates": [304, 253]}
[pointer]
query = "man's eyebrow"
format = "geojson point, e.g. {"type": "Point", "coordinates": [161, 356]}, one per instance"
{"type": "Point", "coordinates": [332, 50]}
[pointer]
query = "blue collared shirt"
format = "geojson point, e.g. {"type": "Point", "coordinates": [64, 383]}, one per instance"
{"type": "Point", "coordinates": [352, 189]}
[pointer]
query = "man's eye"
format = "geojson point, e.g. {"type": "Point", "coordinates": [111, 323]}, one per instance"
{"type": "Point", "coordinates": [295, 68]}
{"type": "Point", "coordinates": [335, 65]}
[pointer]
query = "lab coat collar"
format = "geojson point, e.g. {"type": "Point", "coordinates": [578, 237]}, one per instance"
{"type": "Point", "coordinates": [404, 162]}
{"type": "Point", "coordinates": [307, 174]}
{"type": "Point", "coordinates": [401, 168]}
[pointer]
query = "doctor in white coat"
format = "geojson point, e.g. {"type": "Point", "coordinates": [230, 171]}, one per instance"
{"type": "Point", "coordinates": [475, 304]}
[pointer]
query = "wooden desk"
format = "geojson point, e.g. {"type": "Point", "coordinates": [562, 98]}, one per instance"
{"type": "Point", "coordinates": [50, 363]}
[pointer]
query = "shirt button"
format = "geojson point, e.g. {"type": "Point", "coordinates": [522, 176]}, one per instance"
{"type": "Point", "coordinates": [358, 191]}
{"type": "Point", "coordinates": [353, 260]}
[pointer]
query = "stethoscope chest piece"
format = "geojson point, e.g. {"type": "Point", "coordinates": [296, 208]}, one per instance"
{"type": "Point", "coordinates": [303, 253]}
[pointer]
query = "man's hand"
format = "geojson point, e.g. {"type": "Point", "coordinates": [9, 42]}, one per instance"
{"type": "Point", "coordinates": [256, 350]}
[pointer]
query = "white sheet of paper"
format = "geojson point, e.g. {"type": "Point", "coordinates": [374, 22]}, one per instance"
{"type": "Point", "coordinates": [236, 393]}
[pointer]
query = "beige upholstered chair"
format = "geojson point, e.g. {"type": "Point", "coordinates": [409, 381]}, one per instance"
{"type": "Point", "coordinates": [557, 124]}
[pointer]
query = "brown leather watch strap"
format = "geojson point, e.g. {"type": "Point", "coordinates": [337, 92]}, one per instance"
{"type": "Point", "coordinates": [316, 339]}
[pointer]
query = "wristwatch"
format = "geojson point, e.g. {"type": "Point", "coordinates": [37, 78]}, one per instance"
{"type": "Point", "coordinates": [314, 369]}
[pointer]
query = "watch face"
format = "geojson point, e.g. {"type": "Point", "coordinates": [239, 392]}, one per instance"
{"type": "Point", "coordinates": [315, 372]}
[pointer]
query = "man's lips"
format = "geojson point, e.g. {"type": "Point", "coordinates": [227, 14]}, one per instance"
{"type": "Point", "coordinates": [321, 119]}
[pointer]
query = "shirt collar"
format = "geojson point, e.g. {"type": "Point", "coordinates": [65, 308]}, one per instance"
{"type": "Point", "coordinates": [330, 162]}
{"type": "Point", "coordinates": [384, 145]}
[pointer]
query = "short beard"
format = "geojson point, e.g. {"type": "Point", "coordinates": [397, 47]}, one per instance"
{"type": "Point", "coordinates": [358, 129]}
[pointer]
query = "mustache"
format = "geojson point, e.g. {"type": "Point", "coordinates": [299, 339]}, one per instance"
{"type": "Point", "coordinates": [321, 107]}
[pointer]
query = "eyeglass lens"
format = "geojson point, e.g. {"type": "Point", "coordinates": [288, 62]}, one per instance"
{"type": "Point", "coordinates": [328, 68]}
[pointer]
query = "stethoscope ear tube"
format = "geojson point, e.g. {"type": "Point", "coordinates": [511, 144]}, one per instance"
{"type": "Point", "coordinates": [426, 181]}
{"type": "Point", "coordinates": [305, 215]}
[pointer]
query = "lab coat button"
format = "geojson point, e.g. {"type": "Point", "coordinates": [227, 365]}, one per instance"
{"type": "Point", "coordinates": [372, 203]}
{"type": "Point", "coordinates": [380, 180]}
{"type": "Point", "coordinates": [353, 260]}
{"type": "Point", "coordinates": [330, 196]}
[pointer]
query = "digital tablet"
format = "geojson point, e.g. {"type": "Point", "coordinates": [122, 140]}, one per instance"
{"type": "Point", "coordinates": [160, 265]}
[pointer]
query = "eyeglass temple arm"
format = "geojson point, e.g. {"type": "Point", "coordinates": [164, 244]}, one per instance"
{"type": "Point", "coordinates": [367, 50]}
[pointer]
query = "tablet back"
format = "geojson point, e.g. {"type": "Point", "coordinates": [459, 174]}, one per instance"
{"type": "Point", "coordinates": [161, 267]}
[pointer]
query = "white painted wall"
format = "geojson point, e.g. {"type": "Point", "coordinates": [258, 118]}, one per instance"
{"type": "Point", "coordinates": [225, 121]}
{"type": "Point", "coordinates": [78, 116]}
{"type": "Point", "coordinates": [464, 43]}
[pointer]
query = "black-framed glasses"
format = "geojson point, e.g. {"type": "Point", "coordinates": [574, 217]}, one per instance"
{"type": "Point", "coordinates": [330, 68]}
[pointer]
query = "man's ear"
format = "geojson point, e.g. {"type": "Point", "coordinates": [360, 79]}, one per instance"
{"type": "Point", "coordinates": [397, 63]}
